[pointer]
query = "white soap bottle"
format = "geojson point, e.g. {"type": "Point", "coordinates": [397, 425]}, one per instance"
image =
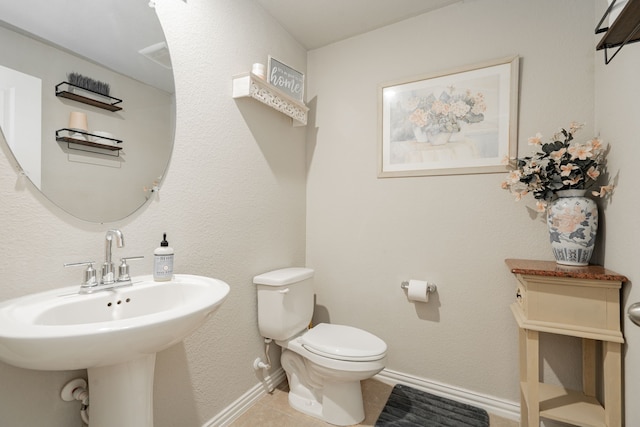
{"type": "Point", "coordinates": [163, 261]}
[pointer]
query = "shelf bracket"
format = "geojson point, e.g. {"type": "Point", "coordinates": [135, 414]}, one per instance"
{"type": "Point", "coordinates": [631, 10]}
{"type": "Point", "coordinates": [608, 59]}
{"type": "Point", "coordinates": [599, 28]}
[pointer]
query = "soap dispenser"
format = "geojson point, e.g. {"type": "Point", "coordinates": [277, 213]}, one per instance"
{"type": "Point", "coordinates": [163, 261]}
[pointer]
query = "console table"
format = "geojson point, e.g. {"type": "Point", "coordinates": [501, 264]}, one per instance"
{"type": "Point", "coordinates": [582, 302]}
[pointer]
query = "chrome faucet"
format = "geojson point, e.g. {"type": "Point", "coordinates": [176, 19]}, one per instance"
{"type": "Point", "coordinates": [108, 270]}
{"type": "Point", "coordinates": [108, 280]}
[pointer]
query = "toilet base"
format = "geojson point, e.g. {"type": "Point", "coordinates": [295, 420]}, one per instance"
{"type": "Point", "coordinates": [328, 388]}
{"type": "Point", "coordinates": [336, 402]}
{"type": "Point", "coordinates": [341, 404]}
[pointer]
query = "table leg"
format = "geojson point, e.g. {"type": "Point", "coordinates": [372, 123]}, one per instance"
{"type": "Point", "coordinates": [533, 379]}
{"type": "Point", "coordinates": [522, 344]}
{"type": "Point", "coordinates": [589, 367]}
{"type": "Point", "coordinates": [612, 387]}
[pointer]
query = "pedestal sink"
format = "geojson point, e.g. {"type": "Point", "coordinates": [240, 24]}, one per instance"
{"type": "Point", "coordinates": [114, 334]}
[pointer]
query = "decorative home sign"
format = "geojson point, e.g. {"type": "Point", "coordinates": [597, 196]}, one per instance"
{"type": "Point", "coordinates": [286, 79]}
{"type": "Point", "coordinates": [460, 121]}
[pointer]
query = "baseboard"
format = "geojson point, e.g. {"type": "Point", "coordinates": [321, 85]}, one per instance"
{"type": "Point", "coordinates": [500, 407]}
{"type": "Point", "coordinates": [246, 401]}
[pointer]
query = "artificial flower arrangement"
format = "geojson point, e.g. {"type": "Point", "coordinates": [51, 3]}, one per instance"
{"type": "Point", "coordinates": [445, 113]}
{"type": "Point", "coordinates": [561, 164]}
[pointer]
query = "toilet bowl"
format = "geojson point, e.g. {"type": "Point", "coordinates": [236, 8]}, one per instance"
{"type": "Point", "coordinates": [324, 364]}
{"type": "Point", "coordinates": [323, 359]}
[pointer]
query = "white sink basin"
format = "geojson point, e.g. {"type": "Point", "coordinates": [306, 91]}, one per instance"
{"type": "Point", "coordinates": [64, 330]}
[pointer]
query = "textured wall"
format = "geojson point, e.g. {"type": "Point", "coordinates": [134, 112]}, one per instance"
{"type": "Point", "coordinates": [232, 203]}
{"type": "Point", "coordinates": [617, 112]}
{"type": "Point", "coordinates": [365, 235]}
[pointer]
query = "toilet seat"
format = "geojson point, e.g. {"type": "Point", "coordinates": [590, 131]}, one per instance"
{"type": "Point", "coordinates": [369, 360]}
{"type": "Point", "coordinates": [342, 342]}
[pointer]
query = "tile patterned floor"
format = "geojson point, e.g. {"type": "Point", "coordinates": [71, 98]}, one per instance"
{"type": "Point", "coordinates": [273, 410]}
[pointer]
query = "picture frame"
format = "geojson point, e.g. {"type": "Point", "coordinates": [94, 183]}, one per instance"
{"type": "Point", "coordinates": [459, 121]}
{"type": "Point", "coordinates": [286, 79]}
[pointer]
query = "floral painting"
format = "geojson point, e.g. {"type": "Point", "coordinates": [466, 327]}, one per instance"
{"type": "Point", "coordinates": [462, 121]}
{"type": "Point", "coordinates": [430, 116]}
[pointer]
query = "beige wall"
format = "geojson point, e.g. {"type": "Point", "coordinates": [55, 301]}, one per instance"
{"type": "Point", "coordinates": [617, 111]}
{"type": "Point", "coordinates": [365, 235]}
{"type": "Point", "coordinates": [233, 202]}
{"type": "Point", "coordinates": [233, 205]}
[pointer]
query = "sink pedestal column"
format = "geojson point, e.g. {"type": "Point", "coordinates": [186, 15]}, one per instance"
{"type": "Point", "coordinates": [122, 395]}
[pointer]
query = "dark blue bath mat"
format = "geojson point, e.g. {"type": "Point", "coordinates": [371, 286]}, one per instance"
{"type": "Point", "coordinates": [408, 407]}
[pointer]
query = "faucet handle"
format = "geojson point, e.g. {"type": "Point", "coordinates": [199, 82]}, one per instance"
{"type": "Point", "coordinates": [90, 280]}
{"type": "Point", "coordinates": [123, 269]}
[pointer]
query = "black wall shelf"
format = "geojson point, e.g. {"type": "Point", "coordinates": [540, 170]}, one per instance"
{"type": "Point", "coordinates": [69, 139]}
{"type": "Point", "coordinates": [110, 102]}
{"type": "Point", "coordinates": [624, 30]}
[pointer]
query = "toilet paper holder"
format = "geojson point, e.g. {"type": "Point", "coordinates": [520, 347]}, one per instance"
{"type": "Point", "coordinates": [431, 287]}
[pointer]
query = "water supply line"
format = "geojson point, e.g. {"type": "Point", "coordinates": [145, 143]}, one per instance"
{"type": "Point", "coordinates": [84, 409]}
{"type": "Point", "coordinates": [258, 363]}
{"type": "Point", "coordinates": [77, 390]}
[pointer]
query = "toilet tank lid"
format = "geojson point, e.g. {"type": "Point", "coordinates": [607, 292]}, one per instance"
{"type": "Point", "coordinates": [284, 276]}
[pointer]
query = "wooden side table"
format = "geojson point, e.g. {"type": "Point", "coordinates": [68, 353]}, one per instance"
{"type": "Point", "coordinates": [582, 302]}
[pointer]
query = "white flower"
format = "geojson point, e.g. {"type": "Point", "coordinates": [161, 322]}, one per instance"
{"type": "Point", "coordinates": [567, 169]}
{"type": "Point", "coordinates": [575, 127]}
{"type": "Point", "coordinates": [604, 190]}
{"type": "Point", "coordinates": [581, 152]}
{"type": "Point", "coordinates": [541, 206]}
{"type": "Point", "coordinates": [535, 140]}
{"type": "Point", "coordinates": [514, 176]}
{"type": "Point", "coordinates": [459, 108]}
{"type": "Point", "coordinates": [559, 164]}
{"type": "Point", "coordinates": [593, 173]}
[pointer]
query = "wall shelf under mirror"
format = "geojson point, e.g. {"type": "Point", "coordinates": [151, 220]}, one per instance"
{"type": "Point", "coordinates": [75, 137]}
{"type": "Point", "coordinates": [252, 86]}
{"type": "Point", "coordinates": [73, 92]}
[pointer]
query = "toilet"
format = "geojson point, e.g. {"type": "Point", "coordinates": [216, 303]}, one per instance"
{"type": "Point", "coordinates": [324, 364]}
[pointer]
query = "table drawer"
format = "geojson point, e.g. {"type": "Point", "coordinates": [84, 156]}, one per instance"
{"type": "Point", "coordinates": [574, 303]}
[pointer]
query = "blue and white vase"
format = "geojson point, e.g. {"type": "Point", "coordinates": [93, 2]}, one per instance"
{"type": "Point", "coordinates": [573, 224]}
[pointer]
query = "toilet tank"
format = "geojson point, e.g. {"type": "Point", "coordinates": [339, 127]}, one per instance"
{"type": "Point", "coordinates": [285, 302]}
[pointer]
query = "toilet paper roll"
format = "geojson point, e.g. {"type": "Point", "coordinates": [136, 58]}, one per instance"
{"type": "Point", "coordinates": [418, 291]}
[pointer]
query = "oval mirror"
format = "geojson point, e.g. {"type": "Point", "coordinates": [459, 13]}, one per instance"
{"type": "Point", "coordinates": [87, 102]}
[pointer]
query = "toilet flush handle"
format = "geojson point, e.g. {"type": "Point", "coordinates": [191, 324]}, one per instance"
{"type": "Point", "coordinates": [284, 291]}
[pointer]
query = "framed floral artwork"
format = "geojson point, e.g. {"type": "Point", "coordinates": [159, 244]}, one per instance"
{"type": "Point", "coordinates": [461, 121]}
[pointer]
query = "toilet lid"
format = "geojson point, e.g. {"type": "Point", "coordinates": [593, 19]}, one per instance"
{"type": "Point", "coordinates": [343, 343]}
